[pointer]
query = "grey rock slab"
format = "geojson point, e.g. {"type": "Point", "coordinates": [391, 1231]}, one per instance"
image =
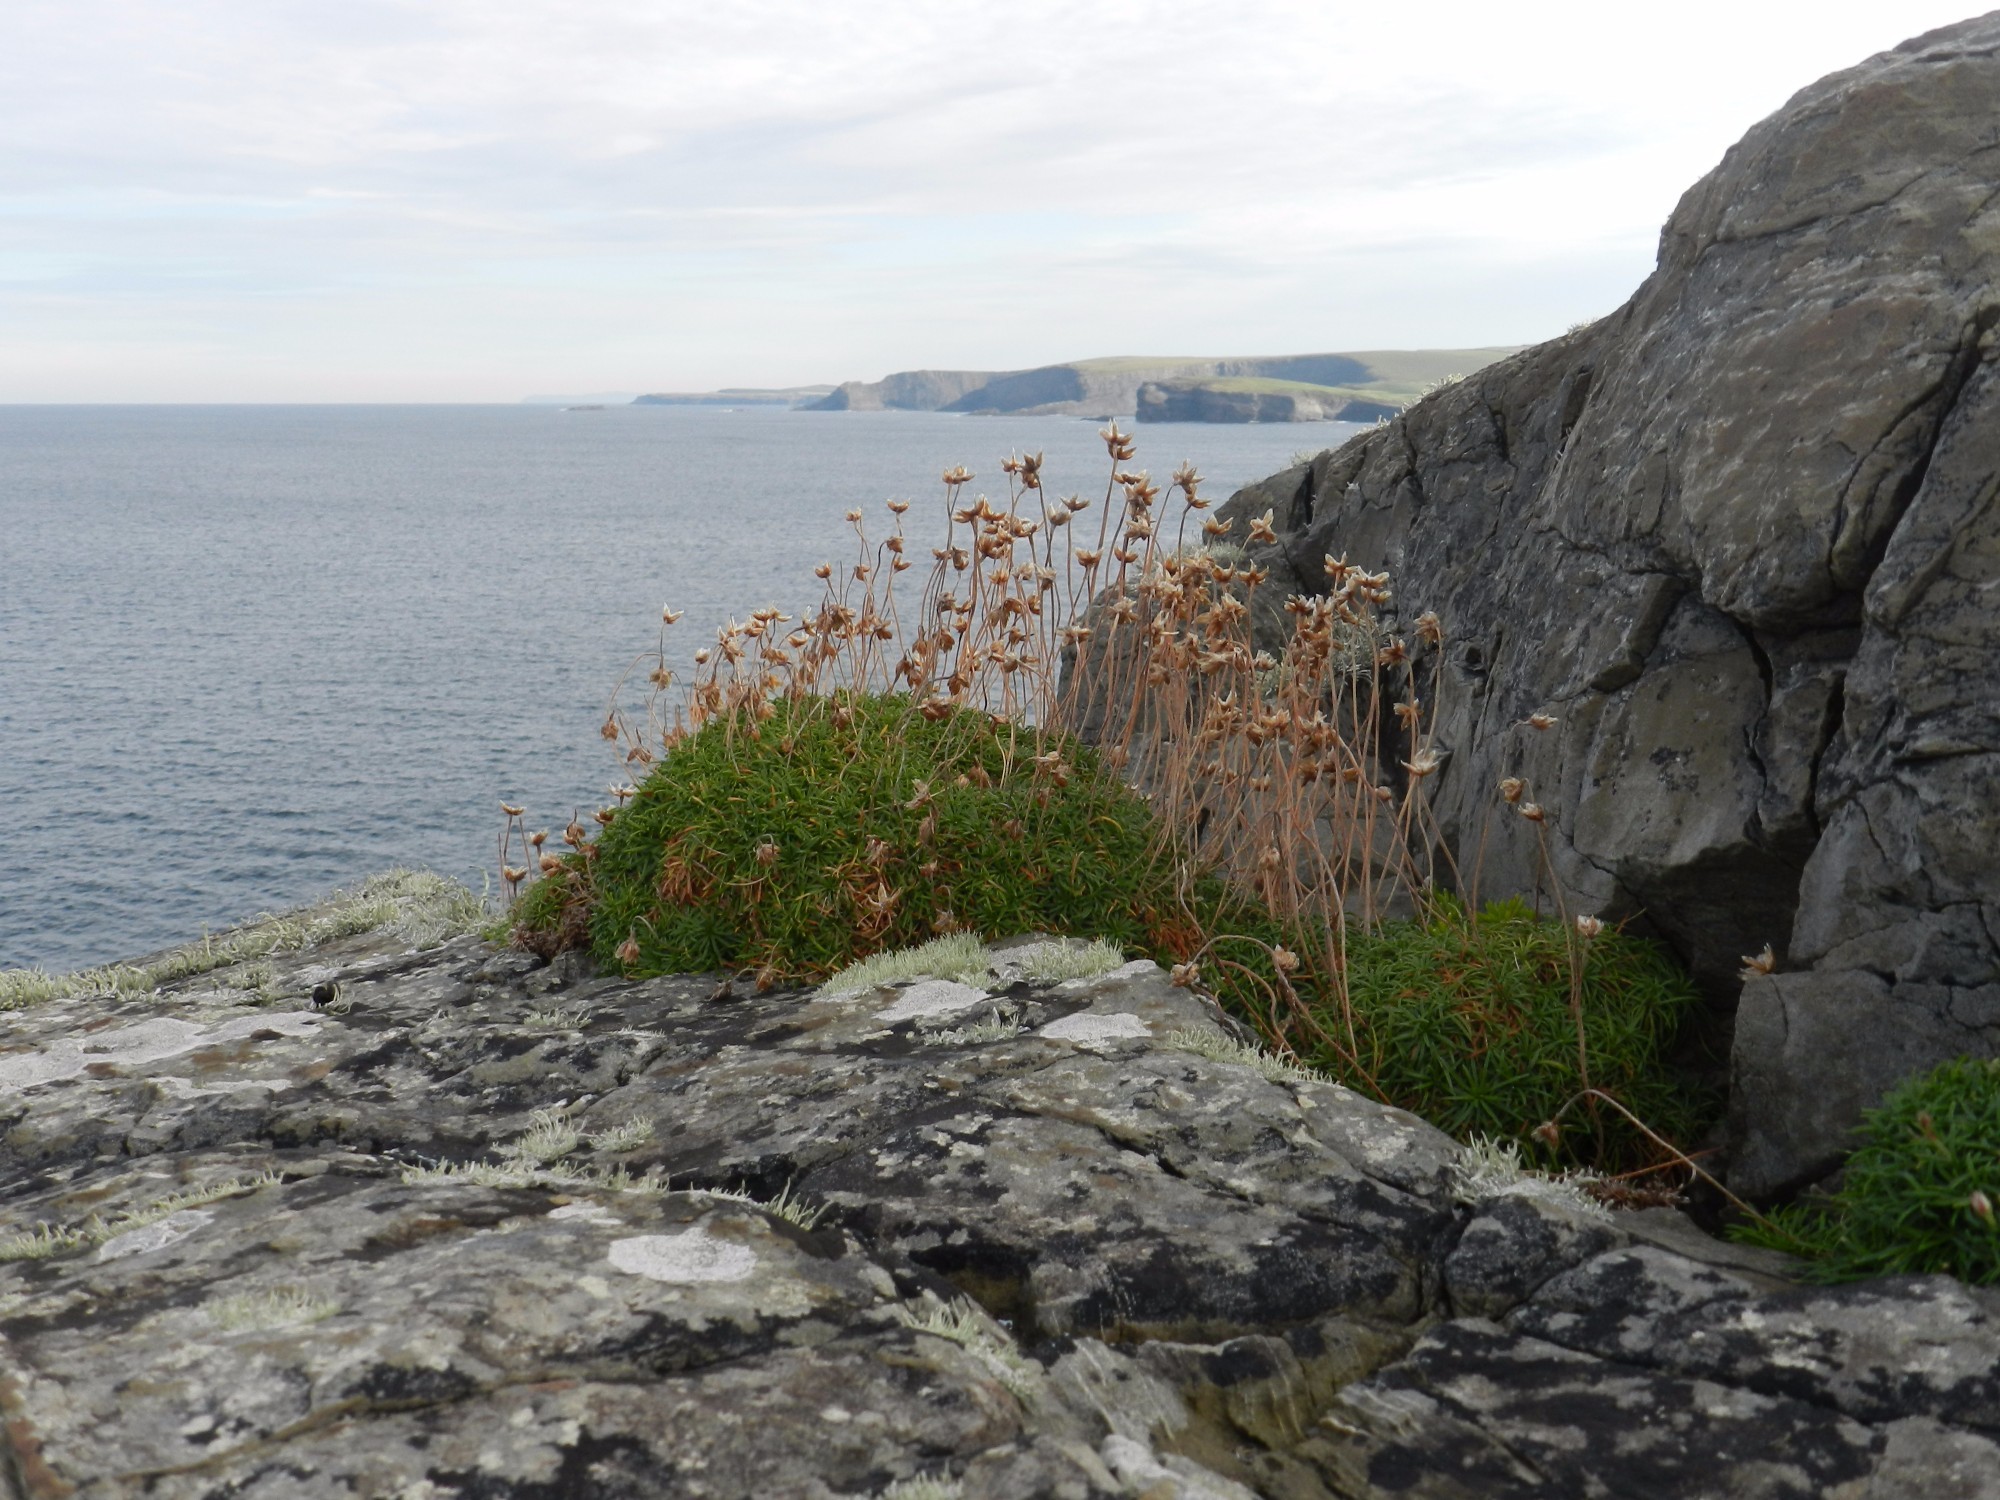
{"type": "Point", "coordinates": [1475, 1410]}
{"type": "Point", "coordinates": [1511, 1246]}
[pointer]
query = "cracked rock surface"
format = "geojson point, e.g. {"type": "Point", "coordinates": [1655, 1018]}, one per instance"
{"type": "Point", "coordinates": [702, 1242]}
{"type": "Point", "coordinates": [1741, 537]}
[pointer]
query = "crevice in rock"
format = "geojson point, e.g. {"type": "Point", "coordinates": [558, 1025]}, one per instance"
{"type": "Point", "coordinates": [1940, 400]}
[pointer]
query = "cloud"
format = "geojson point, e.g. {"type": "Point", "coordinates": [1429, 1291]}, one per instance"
{"type": "Point", "coordinates": [447, 200]}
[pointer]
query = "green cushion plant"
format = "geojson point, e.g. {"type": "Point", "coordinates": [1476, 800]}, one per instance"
{"type": "Point", "coordinates": [1921, 1193]}
{"type": "Point", "coordinates": [840, 827]}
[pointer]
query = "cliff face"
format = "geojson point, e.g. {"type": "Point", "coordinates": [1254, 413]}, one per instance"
{"type": "Point", "coordinates": [1110, 387]}
{"type": "Point", "coordinates": [1743, 538]}
{"type": "Point", "coordinates": [1219, 401]}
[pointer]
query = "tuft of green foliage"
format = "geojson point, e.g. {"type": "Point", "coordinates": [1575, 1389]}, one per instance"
{"type": "Point", "coordinates": [1469, 1024]}
{"type": "Point", "coordinates": [1921, 1194]}
{"type": "Point", "coordinates": [837, 827]}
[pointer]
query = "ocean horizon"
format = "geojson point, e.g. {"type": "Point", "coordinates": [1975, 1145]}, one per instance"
{"type": "Point", "coordinates": [252, 653]}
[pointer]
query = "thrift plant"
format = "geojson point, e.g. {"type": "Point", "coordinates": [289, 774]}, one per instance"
{"type": "Point", "coordinates": [836, 828]}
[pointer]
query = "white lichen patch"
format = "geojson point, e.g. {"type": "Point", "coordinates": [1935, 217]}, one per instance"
{"type": "Point", "coordinates": [558, 1018]}
{"type": "Point", "coordinates": [139, 1045]}
{"type": "Point", "coordinates": [694, 1255]}
{"type": "Point", "coordinates": [274, 1307]}
{"type": "Point", "coordinates": [932, 998]}
{"type": "Point", "coordinates": [157, 1235]}
{"type": "Point", "coordinates": [1493, 1169]}
{"type": "Point", "coordinates": [1088, 1028]}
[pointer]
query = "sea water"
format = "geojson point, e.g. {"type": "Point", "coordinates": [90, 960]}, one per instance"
{"type": "Point", "coordinates": [248, 654]}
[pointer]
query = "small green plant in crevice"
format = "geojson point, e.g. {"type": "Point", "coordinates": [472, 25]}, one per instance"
{"type": "Point", "coordinates": [1921, 1192]}
{"type": "Point", "coordinates": [1473, 1024]}
{"type": "Point", "coordinates": [798, 843]}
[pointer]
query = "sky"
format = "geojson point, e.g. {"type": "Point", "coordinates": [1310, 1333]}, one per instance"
{"type": "Point", "coordinates": [372, 200]}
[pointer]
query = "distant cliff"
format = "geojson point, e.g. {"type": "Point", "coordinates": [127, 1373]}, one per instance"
{"type": "Point", "coordinates": [794, 395]}
{"type": "Point", "coordinates": [1324, 384]}
{"type": "Point", "coordinates": [1246, 399]}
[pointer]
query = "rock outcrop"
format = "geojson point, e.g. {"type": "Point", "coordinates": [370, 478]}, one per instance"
{"type": "Point", "coordinates": [1742, 538]}
{"type": "Point", "coordinates": [1031, 1240]}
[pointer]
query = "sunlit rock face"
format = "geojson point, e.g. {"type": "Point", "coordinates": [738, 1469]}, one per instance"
{"type": "Point", "coordinates": [1742, 539]}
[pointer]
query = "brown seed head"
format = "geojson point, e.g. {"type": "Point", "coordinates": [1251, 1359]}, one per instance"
{"type": "Point", "coordinates": [1759, 963]}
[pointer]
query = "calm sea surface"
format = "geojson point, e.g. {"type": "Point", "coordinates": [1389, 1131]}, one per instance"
{"type": "Point", "coordinates": [251, 653]}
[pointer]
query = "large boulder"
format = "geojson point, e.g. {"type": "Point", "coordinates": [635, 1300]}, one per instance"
{"type": "Point", "coordinates": [1741, 538]}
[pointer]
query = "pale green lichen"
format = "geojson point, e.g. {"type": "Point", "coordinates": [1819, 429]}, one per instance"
{"type": "Point", "coordinates": [46, 1240]}
{"type": "Point", "coordinates": [999, 1026]}
{"type": "Point", "coordinates": [1213, 1045]}
{"type": "Point", "coordinates": [964, 1323]}
{"type": "Point", "coordinates": [628, 1135]}
{"type": "Point", "coordinates": [43, 1241]}
{"type": "Point", "coordinates": [274, 1307]}
{"type": "Point", "coordinates": [1053, 963]}
{"type": "Point", "coordinates": [958, 956]}
{"type": "Point", "coordinates": [421, 908]}
{"type": "Point", "coordinates": [792, 1210]}
{"type": "Point", "coordinates": [550, 1137]}
{"type": "Point", "coordinates": [487, 1174]}
{"type": "Point", "coordinates": [962, 958]}
{"type": "Point", "coordinates": [924, 1487]}
{"type": "Point", "coordinates": [521, 1172]}
{"type": "Point", "coordinates": [1493, 1169]}
{"type": "Point", "coordinates": [558, 1018]}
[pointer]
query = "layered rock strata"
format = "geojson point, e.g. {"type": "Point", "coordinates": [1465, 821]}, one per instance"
{"type": "Point", "coordinates": [459, 1223]}
{"type": "Point", "coordinates": [1741, 538]}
